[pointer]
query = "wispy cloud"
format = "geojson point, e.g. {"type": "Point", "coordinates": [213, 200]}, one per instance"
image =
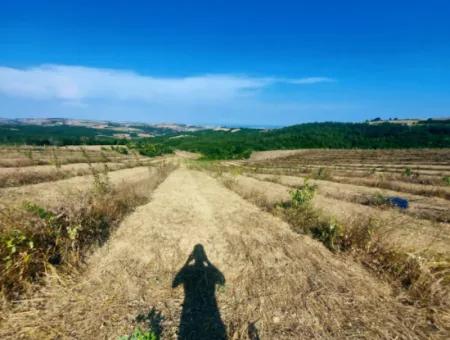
{"type": "Point", "coordinates": [310, 80]}
{"type": "Point", "coordinates": [78, 83]}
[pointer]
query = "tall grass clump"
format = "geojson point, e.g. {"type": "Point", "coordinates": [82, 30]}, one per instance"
{"type": "Point", "coordinates": [322, 173]}
{"type": "Point", "coordinates": [55, 159]}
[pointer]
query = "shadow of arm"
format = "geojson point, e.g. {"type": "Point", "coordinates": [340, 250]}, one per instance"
{"type": "Point", "coordinates": [179, 278]}
{"type": "Point", "coordinates": [219, 278]}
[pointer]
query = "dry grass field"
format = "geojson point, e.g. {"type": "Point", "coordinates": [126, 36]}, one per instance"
{"type": "Point", "coordinates": [29, 165]}
{"type": "Point", "coordinates": [304, 244]}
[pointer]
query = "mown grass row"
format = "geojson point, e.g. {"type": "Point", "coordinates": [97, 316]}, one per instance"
{"type": "Point", "coordinates": [25, 176]}
{"type": "Point", "coordinates": [436, 189]}
{"type": "Point", "coordinates": [427, 282]}
{"type": "Point", "coordinates": [34, 238]}
{"type": "Point", "coordinates": [19, 178]}
{"type": "Point", "coordinates": [58, 157]}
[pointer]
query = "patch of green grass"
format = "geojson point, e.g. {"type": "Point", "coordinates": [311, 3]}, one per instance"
{"type": "Point", "coordinates": [152, 328]}
{"type": "Point", "coordinates": [139, 334]}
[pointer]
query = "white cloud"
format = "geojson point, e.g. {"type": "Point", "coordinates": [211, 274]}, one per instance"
{"type": "Point", "coordinates": [310, 80]}
{"type": "Point", "coordinates": [78, 83]}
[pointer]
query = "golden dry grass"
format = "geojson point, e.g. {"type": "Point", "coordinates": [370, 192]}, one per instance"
{"type": "Point", "coordinates": [30, 165]}
{"type": "Point", "coordinates": [386, 276]}
{"type": "Point", "coordinates": [412, 253]}
{"type": "Point", "coordinates": [278, 284]}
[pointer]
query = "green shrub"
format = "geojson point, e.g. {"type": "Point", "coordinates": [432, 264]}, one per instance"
{"type": "Point", "coordinates": [102, 184]}
{"type": "Point", "coordinates": [152, 322]}
{"type": "Point", "coordinates": [407, 172]}
{"type": "Point", "coordinates": [330, 233]}
{"type": "Point", "coordinates": [446, 180]}
{"type": "Point", "coordinates": [303, 195]}
{"type": "Point", "coordinates": [139, 334]}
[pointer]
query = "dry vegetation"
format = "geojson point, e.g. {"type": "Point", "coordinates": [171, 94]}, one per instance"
{"type": "Point", "coordinates": [44, 229]}
{"type": "Point", "coordinates": [276, 284]}
{"type": "Point", "coordinates": [29, 165]}
{"type": "Point", "coordinates": [309, 248]}
{"type": "Point", "coordinates": [408, 247]}
{"type": "Point", "coordinates": [417, 171]}
{"type": "Point", "coordinates": [35, 237]}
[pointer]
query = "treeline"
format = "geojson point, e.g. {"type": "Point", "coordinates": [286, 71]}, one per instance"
{"type": "Point", "coordinates": [239, 144]}
{"type": "Point", "coordinates": [147, 147]}
{"type": "Point", "coordinates": [59, 135]}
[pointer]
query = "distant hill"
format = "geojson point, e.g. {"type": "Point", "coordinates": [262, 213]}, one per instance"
{"type": "Point", "coordinates": [227, 143]}
{"type": "Point", "coordinates": [409, 121]}
{"type": "Point", "coordinates": [63, 131]}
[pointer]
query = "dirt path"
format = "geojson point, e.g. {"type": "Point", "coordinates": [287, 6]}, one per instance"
{"type": "Point", "coordinates": [276, 283]}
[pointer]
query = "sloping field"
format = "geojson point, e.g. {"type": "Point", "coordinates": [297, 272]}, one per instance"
{"type": "Point", "coordinates": [30, 165]}
{"type": "Point", "coordinates": [201, 261]}
{"type": "Point", "coordinates": [28, 155]}
{"type": "Point", "coordinates": [415, 167]}
{"type": "Point", "coordinates": [50, 193]}
{"type": "Point", "coordinates": [415, 234]}
{"type": "Point", "coordinates": [432, 208]}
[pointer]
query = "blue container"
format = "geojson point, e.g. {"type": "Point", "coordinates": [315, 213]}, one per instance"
{"type": "Point", "coordinates": [399, 202]}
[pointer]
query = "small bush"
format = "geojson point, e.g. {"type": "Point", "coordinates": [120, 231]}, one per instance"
{"type": "Point", "coordinates": [102, 184]}
{"type": "Point", "coordinates": [139, 334]}
{"type": "Point", "coordinates": [407, 172]}
{"type": "Point", "coordinates": [330, 233]}
{"type": "Point", "coordinates": [410, 174]}
{"type": "Point", "coordinates": [446, 180]}
{"type": "Point", "coordinates": [152, 321]}
{"type": "Point", "coordinates": [378, 199]}
{"type": "Point", "coordinates": [303, 195]}
{"type": "Point", "coordinates": [304, 219]}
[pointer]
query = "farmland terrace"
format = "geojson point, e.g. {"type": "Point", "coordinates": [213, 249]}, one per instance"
{"type": "Point", "coordinates": [298, 244]}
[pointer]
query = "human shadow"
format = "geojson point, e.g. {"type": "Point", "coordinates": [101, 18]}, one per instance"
{"type": "Point", "coordinates": [200, 317]}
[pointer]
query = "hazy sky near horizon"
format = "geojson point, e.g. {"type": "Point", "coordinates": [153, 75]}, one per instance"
{"type": "Point", "coordinates": [225, 62]}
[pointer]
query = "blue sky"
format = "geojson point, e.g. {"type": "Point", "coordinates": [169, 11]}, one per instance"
{"type": "Point", "coordinates": [225, 62]}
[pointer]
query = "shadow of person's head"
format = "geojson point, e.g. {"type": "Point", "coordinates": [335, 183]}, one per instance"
{"type": "Point", "coordinates": [198, 255]}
